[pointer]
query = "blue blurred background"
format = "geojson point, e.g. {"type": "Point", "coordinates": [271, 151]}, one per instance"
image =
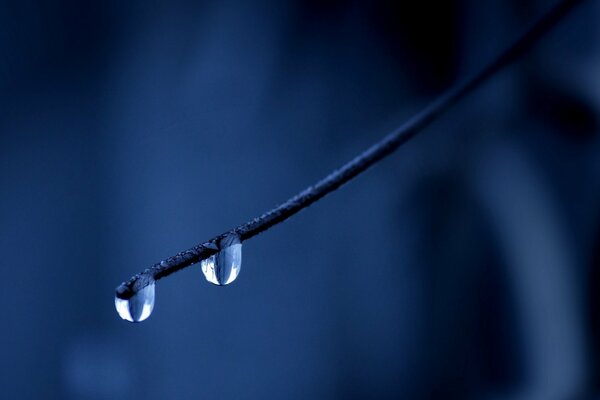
{"type": "Point", "coordinates": [465, 266]}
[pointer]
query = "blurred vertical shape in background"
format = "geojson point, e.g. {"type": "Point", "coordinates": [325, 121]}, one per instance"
{"type": "Point", "coordinates": [463, 267]}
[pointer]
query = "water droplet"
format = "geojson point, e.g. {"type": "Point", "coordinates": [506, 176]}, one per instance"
{"type": "Point", "coordinates": [224, 267]}
{"type": "Point", "coordinates": [138, 307]}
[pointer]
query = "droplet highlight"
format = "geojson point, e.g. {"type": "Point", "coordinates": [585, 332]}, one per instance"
{"type": "Point", "coordinates": [224, 267]}
{"type": "Point", "coordinates": [138, 307]}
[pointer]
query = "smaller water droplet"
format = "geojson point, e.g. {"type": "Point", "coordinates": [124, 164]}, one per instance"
{"type": "Point", "coordinates": [138, 307]}
{"type": "Point", "coordinates": [224, 267]}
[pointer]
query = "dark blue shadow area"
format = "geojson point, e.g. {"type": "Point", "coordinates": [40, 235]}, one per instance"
{"type": "Point", "coordinates": [465, 266]}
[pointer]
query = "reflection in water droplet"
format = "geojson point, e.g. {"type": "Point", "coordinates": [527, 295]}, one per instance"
{"type": "Point", "coordinates": [138, 307]}
{"type": "Point", "coordinates": [224, 267]}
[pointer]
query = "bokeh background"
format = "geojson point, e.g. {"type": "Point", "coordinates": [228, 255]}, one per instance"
{"type": "Point", "coordinates": [465, 266]}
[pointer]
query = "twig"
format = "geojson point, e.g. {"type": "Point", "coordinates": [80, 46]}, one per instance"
{"type": "Point", "coordinates": [340, 176]}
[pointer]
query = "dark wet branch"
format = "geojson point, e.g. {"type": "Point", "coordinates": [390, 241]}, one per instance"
{"type": "Point", "coordinates": [366, 159]}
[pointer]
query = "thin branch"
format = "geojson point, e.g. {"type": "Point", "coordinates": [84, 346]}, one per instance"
{"type": "Point", "coordinates": [366, 159]}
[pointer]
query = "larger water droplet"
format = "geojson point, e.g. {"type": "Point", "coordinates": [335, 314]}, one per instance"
{"type": "Point", "coordinates": [224, 267]}
{"type": "Point", "coordinates": [138, 307]}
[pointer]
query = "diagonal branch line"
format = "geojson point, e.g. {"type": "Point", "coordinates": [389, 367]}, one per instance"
{"type": "Point", "coordinates": [357, 165]}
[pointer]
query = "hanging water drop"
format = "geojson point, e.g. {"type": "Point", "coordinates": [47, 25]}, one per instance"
{"type": "Point", "coordinates": [138, 307]}
{"type": "Point", "coordinates": [224, 267]}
